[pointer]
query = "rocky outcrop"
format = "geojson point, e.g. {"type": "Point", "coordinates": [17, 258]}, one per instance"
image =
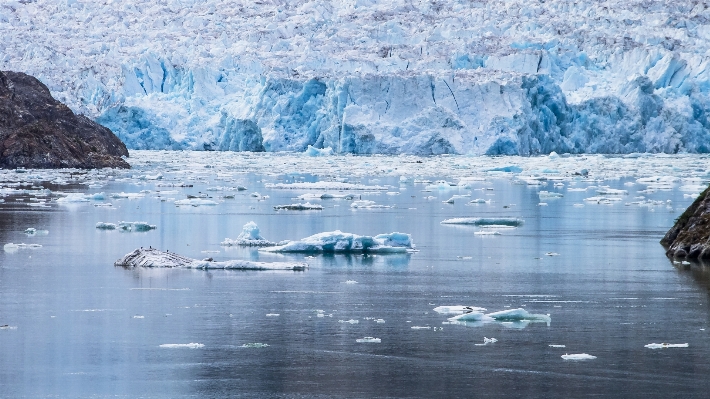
{"type": "Point", "coordinates": [37, 131]}
{"type": "Point", "coordinates": [690, 236]}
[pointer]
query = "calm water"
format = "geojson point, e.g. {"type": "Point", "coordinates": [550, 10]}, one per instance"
{"type": "Point", "coordinates": [82, 328]}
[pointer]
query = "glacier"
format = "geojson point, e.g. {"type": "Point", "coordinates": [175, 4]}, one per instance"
{"type": "Point", "coordinates": [494, 77]}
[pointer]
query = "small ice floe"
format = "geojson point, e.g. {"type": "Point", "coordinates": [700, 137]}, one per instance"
{"type": "Point", "coordinates": [371, 340]}
{"type": "Point", "coordinates": [139, 317]}
{"type": "Point", "coordinates": [255, 345]}
{"type": "Point", "coordinates": [72, 198]}
{"type": "Point", "coordinates": [514, 318]}
{"type": "Point", "coordinates": [249, 237]}
{"type": "Point", "coordinates": [126, 227]}
{"type": "Point", "coordinates": [350, 282]}
{"type": "Point", "coordinates": [10, 247]}
{"type": "Point", "coordinates": [191, 345]}
{"type": "Point", "coordinates": [380, 321]}
{"type": "Point", "coordinates": [605, 190]}
{"type": "Point", "coordinates": [351, 321]}
{"type": "Point", "coordinates": [339, 242]}
{"type": "Point", "coordinates": [151, 257]}
{"type": "Point", "coordinates": [455, 197]}
{"type": "Point", "coordinates": [31, 232]}
{"type": "Point", "coordinates": [479, 201]}
{"type": "Point", "coordinates": [323, 196]}
{"type": "Point", "coordinates": [487, 341]}
{"type": "Point", "coordinates": [420, 328]}
{"type": "Point", "coordinates": [127, 195]}
{"type": "Point", "coordinates": [458, 309]}
{"type": "Point", "coordinates": [300, 207]}
{"type": "Point", "coordinates": [367, 204]}
{"type": "Point", "coordinates": [549, 195]}
{"type": "Point", "coordinates": [486, 233]}
{"type": "Point", "coordinates": [557, 346]}
{"type": "Point", "coordinates": [195, 202]}
{"type": "Point", "coordinates": [510, 222]}
{"type": "Point", "coordinates": [8, 327]}
{"type": "Point", "coordinates": [542, 204]}
{"type": "Point", "coordinates": [318, 152]}
{"type": "Point", "coordinates": [552, 254]}
{"type": "Point", "coordinates": [273, 315]}
{"type": "Point", "coordinates": [324, 185]}
{"type": "Point", "coordinates": [665, 345]}
{"type": "Point", "coordinates": [578, 356]}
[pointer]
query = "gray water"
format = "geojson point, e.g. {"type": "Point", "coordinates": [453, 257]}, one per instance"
{"type": "Point", "coordinates": [78, 327]}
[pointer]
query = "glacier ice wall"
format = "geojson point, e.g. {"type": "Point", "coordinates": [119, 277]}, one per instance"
{"type": "Point", "coordinates": [368, 77]}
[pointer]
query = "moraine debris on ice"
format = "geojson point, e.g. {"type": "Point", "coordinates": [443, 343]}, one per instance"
{"type": "Point", "coordinates": [151, 257]}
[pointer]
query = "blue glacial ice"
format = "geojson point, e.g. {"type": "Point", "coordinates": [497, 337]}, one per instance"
{"type": "Point", "coordinates": [364, 77]}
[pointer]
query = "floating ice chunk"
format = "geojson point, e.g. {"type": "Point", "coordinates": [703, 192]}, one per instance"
{"type": "Point", "coordinates": [10, 247]}
{"type": "Point", "coordinates": [339, 242]}
{"type": "Point", "coordinates": [479, 201]}
{"type": "Point", "coordinates": [367, 204]}
{"type": "Point", "coordinates": [152, 257]}
{"type": "Point", "coordinates": [351, 282]}
{"type": "Point", "coordinates": [106, 226]}
{"type": "Point", "coordinates": [549, 195]}
{"type": "Point", "coordinates": [31, 232]}
{"type": "Point", "coordinates": [507, 169]}
{"type": "Point", "coordinates": [133, 226]}
{"type": "Point", "coordinates": [317, 152]}
{"type": "Point", "coordinates": [325, 185]}
{"type": "Point", "coordinates": [249, 237]}
{"type": "Point", "coordinates": [557, 346]}
{"type": "Point", "coordinates": [72, 198]}
{"type": "Point", "coordinates": [470, 316]}
{"type": "Point", "coordinates": [380, 321]}
{"type": "Point", "coordinates": [191, 345]}
{"type": "Point", "coordinates": [323, 196]}
{"type": "Point", "coordinates": [195, 202]}
{"type": "Point", "coordinates": [351, 321]}
{"type": "Point", "coordinates": [255, 345]}
{"type": "Point", "coordinates": [420, 328]}
{"type": "Point", "coordinates": [552, 254]}
{"type": "Point", "coordinates": [369, 340]}
{"type": "Point", "coordinates": [487, 341]}
{"type": "Point", "coordinates": [611, 191]}
{"type": "Point", "coordinates": [127, 195]}
{"type": "Point", "coordinates": [512, 222]}
{"type": "Point", "coordinates": [8, 327]}
{"type": "Point", "coordinates": [486, 233]}
{"type": "Point", "coordinates": [300, 207]}
{"type": "Point", "coordinates": [665, 345]}
{"type": "Point", "coordinates": [139, 317]}
{"type": "Point", "coordinates": [578, 356]}
{"type": "Point", "coordinates": [518, 314]}
{"type": "Point", "coordinates": [273, 315]}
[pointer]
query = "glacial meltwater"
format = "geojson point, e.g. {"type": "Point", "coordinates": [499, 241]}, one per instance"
{"type": "Point", "coordinates": [562, 253]}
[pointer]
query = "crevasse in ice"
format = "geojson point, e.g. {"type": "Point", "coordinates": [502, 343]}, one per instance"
{"type": "Point", "coordinates": [360, 76]}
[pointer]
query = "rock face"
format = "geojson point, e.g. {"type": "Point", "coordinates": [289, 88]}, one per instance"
{"type": "Point", "coordinates": [37, 131]}
{"type": "Point", "coordinates": [690, 236]}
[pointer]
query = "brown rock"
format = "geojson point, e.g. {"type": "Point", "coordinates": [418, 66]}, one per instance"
{"type": "Point", "coordinates": [690, 236]}
{"type": "Point", "coordinates": [37, 131]}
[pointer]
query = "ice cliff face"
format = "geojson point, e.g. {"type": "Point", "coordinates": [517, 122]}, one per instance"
{"type": "Point", "coordinates": [363, 76]}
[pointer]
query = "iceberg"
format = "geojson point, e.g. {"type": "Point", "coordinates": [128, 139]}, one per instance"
{"type": "Point", "coordinates": [510, 222]}
{"type": "Point", "coordinates": [300, 207]}
{"type": "Point", "coordinates": [665, 345]}
{"type": "Point", "coordinates": [578, 356]}
{"type": "Point", "coordinates": [339, 242]}
{"type": "Point", "coordinates": [372, 340]}
{"type": "Point", "coordinates": [152, 257]}
{"type": "Point", "coordinates": [11, 248]}
{"type": "Point", "coordinates": [249, 237]}
{"type": "Point", "coordinates": [191, 345]}
{"type": "Point", "coordinates": [457, 309]}
{"type": "Point", "coordinates": [195, 202]}
{"type": "Point", "coordinates": [316, 152]}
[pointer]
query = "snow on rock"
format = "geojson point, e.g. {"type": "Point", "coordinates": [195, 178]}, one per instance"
{"type": "Point", "coordinates": [339, 242]}
{"type": "Point", "coordinates": [152, 257]}
{"type": "Point", "coordinates": [480, 77]}
{"type": "Point", "coordinates": [249, 237]}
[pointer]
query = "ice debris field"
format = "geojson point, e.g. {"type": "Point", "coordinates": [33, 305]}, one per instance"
{"type": "Point", "coordinates": [375, 77]}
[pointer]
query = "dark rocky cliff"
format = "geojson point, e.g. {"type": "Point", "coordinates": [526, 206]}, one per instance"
{"type": "Point", "coordinates": [37, 131]}
{"type": "Point", "coordinates": [690, 236]}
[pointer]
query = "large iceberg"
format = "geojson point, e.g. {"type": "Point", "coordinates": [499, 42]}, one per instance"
{"type": "Point", "coordinates": [360, 76]}
{"type": "Point", "coordinates": [249, 237]}
{"type": "Point", "coordinates": [339, 242]}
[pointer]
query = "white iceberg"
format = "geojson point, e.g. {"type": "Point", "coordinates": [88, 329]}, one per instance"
{"type": "Point", "coordinates": [191, 345]}
{"type": "Point", "coordinates": [665, 345]}
{"type": "Point", "coordinates": [369, 340]}
{"type": "Point", "coordinates": [367, 204]}
{"type": "Point", "coordinates": [458, 309]}
{"type": "Point", "coordinates": [549, 195]}
{"type": "Point", "coordinates": [318, 152]}
{"type": "Point", "coordinates": [300, 207]}
{"type": "Point", "coordinates": [11, 247]}
{"type": "Point", "coordinates": [578, 356]}
{"type": "Point", "coordinates": [195, 202]}
{"type": "Point", "coordinates": [339, 242]}
{"type": "Point", "coordinates": [249, 237]}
